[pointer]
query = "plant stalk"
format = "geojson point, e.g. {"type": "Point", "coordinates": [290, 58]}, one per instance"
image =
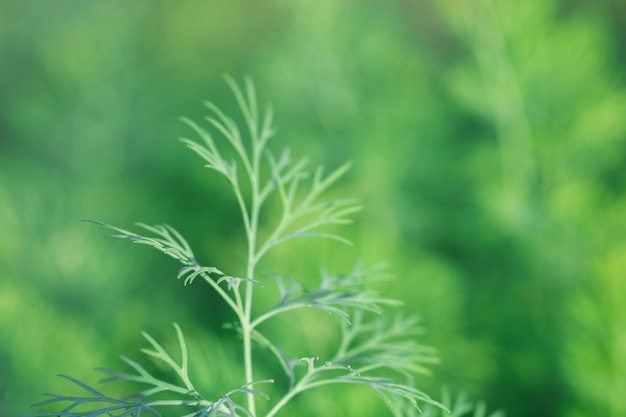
{"type": "Point", "coordinates": [251, 264]}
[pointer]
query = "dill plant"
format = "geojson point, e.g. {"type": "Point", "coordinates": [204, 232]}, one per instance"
{"type": "Point", "coordinates": [374, 350]}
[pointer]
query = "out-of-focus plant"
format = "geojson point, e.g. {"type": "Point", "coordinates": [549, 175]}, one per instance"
{"type": "Point", "coordinates": [378, 352]}
{"type": "Point", "coordinates": [460, 406]}
{"type": "Point", "coordinates": [547, 168]}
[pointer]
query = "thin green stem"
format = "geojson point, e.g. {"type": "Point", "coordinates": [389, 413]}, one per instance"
{"type": "Point", "coordinates": [202, 403]}
{"type": "Point", "coordinates": [254, 175]}
{"type": "Point", "coordinates": [283, 401]}
{"type": "Point", "coordinates": [287, 397]}
{"type": "Point", "coordinates": [247, 308]}
{"type": "Point", "coordinates": [344, 344]}
{"type": "Point", "coordinates": [247, 356]}
{"type": "Point", "coordinates": [271, 241]}
{"type": "Point", "coordinates": [243, 208]}
{"type": "Point", "coordinates": [271, 313]}
{"type": "Point", "coordinates": [235, 306]}
{"type": "Point", "coordinates": [302, 386]}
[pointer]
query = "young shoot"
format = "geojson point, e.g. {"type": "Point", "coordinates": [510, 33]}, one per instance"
{"type": "Point", "coordinates": [374, 349]}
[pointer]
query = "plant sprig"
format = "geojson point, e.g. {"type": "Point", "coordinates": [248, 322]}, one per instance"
{"type": "Point", "coordinates": [373, 350]}
{"type": "Point", "coordinates": [180, 392]}
{"type": "Point", "coordinates": [337, 294]}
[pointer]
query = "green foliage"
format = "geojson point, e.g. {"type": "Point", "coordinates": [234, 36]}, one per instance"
{"type": "Point", "coordinates": [547, 157]}
{"type": "Point", "coordinates": [461, 407]}
{"type": "Point", "coordinates": [488, 138]}
{"type": "Point", "coordinates": [378, 353]}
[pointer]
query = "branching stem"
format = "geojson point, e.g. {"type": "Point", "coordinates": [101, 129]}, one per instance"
{"type": "Point", "coordinates": [303, 215]}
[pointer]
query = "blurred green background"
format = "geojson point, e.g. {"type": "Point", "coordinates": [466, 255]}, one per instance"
{"type": "Point", "coordinates": [489, 146]}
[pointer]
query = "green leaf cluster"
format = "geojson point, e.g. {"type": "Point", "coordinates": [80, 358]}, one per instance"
{"type": "Point", "coordinates": [374, 350]}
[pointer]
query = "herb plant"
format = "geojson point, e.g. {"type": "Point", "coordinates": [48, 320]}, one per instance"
{"type": "Point", "coordinates": [374, 350]}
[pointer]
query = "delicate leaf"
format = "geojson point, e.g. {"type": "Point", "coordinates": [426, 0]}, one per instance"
{"type": "Point", "coordinates": [337, 294]}
{"type": "Point", "coordinates": [167, 240]}
{"type": "Point", "coordinates": [366, 349]}
{"type": "Point", "coordinates": [233, 282]}
{"type": "Point", "coordinates": [192, 272]}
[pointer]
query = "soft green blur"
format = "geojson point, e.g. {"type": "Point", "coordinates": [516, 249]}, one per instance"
{"type": "Point", "coordinates": [489, 147]}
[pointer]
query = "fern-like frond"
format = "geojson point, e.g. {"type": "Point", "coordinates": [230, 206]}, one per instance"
{"type": "Point", "coordinates": [298, 191]}
{"type": "Point", "coordinates": [226, 407]}
{"type": "Point", "coordinates": [164, 238]}
{"type": "Point", "coordinates": [158, 394]}
{"type": "Point", "coordinates": [397, 395]}
{"type": "Point", "coordinates": [304, 215]}
{"type": "Point", "coordinates": [337, 294]}
{"type": "Point", "coordinates": [390, 391]}
{"type": "Point", "coordinates": [385, 344]}
{"type": "Point", "coordinates": [209, 152]}
{"type": "Point", "coordinates": [190, 273]}
{"type": "Point", "coordinates": [182, 385]}
{"type": "Point", "coordinates": [368, 350]}
{"type": "Point", "coordinates": [95, 403]}
{"type": "Point", "coordinates": [379, 353]}
{"type": "Point", "coordinates": [102, 405]}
